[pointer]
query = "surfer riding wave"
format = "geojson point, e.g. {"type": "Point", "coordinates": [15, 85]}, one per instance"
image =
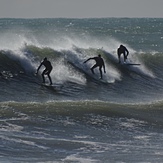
{"type": "Point", "coordinates": [99, 63]}
{"type": "Point", "coordinates": [47, 71]}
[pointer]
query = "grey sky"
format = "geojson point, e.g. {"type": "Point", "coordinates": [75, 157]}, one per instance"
{"type": "Point", "coordinates": [80, 8]}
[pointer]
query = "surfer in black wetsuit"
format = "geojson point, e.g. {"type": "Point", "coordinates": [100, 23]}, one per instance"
{"type": "Point", "coordinates": [99, 63]}
{"type": "Point", "coordinates": [122, 50]}
{"type": "Point", "coordinates": [47, 71]}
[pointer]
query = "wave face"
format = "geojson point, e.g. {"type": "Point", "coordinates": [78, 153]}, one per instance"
{"type": "Point", "coordinates": [64, 122]}
{"type": "Point", "coordinates": [69, 42]}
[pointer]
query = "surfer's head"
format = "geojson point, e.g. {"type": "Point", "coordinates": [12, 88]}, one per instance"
{"type": "Point", "coordinates": [45, 59]}
{"type": "Point", "coordinates": [99, 55]}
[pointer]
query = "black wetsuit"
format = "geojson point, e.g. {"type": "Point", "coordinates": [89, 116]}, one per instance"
{"type": "Point", "coordinates": [47, 71]}
{"type": "Point", "coordinates": [48, 67]}
{"type": "Point", "coordinates": [122, 50]}
{"type": "Point", "coordinates": [99, 63]}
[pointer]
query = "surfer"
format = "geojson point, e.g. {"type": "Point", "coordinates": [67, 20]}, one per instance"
{"type": "Point", "coordinates": [99, 63]}
{"type": "Point", "coordinates": [122, 50]}
{"type": "Point", "coordinates": [47, 71]}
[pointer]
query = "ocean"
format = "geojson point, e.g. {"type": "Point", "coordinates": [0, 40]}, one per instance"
{"type": "Point", "coordinates": [80, 118]}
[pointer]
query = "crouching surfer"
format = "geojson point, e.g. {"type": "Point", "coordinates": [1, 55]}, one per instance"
{"type": "Point", "coordinates": [99, 63]}
{"type": "Point", "coordinates": [122, 50]}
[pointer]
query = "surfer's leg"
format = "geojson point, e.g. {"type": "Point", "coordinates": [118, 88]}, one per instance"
{"type": "Point", "coordinates": [100, 69]}
{"type": "Point", "coordinates": [92, 69]}
{"type": "Point", "coordinates": [43, 78]}
{"type": "Point", "coordinates": [50, 79]}
{"type": "Point", "coordinates": [119, 57]}
{"type": "Point", "coordinates": [45, 72]}
{"type": "Point", "coordinates": [48, 74]}
{"type": "Point", "coordinates": [125, 57]}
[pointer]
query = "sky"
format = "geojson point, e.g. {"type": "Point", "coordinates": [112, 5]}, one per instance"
{"type": "Point", "coordinates": [80, 8]}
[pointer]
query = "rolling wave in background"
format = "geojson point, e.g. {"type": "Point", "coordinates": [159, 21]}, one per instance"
{"type": "Point", "coordinates": [81, 118]}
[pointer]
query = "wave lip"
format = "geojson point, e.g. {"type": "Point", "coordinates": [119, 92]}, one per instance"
{"type": "Point", "coordinates": [74, 77]}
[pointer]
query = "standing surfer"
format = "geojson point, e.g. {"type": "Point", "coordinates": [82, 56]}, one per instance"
{"type": "Point", "coordinates": [47, 71]}
{"type": "Point", "coordinates": [99, 63]}
{"type": "Point", "coordinates": [122, 50]}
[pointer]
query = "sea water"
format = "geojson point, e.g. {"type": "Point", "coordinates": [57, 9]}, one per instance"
{"type": "Point", "coordinates": [80, 118]}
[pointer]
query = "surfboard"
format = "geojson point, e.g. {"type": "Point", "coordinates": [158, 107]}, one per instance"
{"type": "Point", "coordinates": [51, 87]}
{"type": "Point", "coordinates": [130, 64]}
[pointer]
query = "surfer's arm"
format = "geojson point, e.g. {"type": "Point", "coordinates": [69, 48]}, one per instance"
{"type": "Point", "coordinates": [38, 68]}
{"type": "Point", "coordinates": [88, 60]}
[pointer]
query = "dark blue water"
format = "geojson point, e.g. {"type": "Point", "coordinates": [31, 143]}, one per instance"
{"type": "Point", "coordinates": [81, 118]}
